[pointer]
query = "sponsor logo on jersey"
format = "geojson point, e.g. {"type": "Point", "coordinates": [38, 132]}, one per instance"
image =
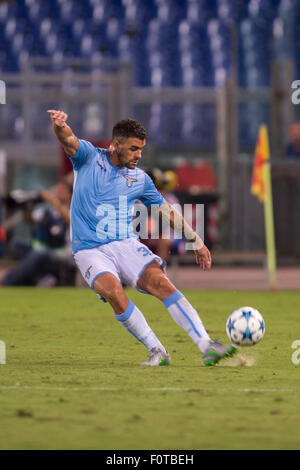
{"type": "Point", "coordinates": [101, 166]}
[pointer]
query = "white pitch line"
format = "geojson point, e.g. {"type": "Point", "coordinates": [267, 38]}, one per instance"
{"type": "Point", "coordinates": [152, 389]}
{"type": "Point", "coordinates": [57, 389]}
{"type": "Point", "coordinates": [246, 390]}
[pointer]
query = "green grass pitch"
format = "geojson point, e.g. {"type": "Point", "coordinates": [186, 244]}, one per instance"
{"type": "Point", "coordinates": [73, 378]}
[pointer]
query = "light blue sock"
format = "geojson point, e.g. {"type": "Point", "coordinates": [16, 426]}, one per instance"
{"type": "Point", "coordinates": [186, 316]}
{"type": "Point", "coordinates": [134, 322]}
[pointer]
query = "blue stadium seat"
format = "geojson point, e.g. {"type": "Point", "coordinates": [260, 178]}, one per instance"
{"type": "Point", "coordinates": [78, 29]}
{"type": "Point", "coordinates": [114, 30]}
{"type": "Point", "coordinates": [131, 49]}
{"type": "Point", "coordinates": [198, 125]}
{"type": "Point", "coordinates": [164, 127]}
{"type": "Point", "coordinates": [14, 26]}
{"type": "Point", "coordinates": [286, 8]}
{"type": "Point", "coordinates": [192, 36]}
{"type": "Point", "coordinates": [219, 28]}
{"type": "Point", "coordinates": [194, 76]}
{"type": "Point", "coordinates": [229, 11]}
{"type": "Point", "coordinates": [47, 26]}
{"type": "Point", "coordinates": [88, 45]}
{"type": "Point", "coordinates": [52, 43]}
{"type": "Point", "coordinates": [103, 10]}
{"type": "Point", "coordinates": [221, 60]}
{"type": "Point", "coordinates": [264, 10]}
{"type": "Point", "coordinates": [8, 10]}
{"type": "Point", "coordinates": [139, 13]}
{"type": "Point", "coordinates": [160, 35]}
{"type": "Point", "coordinates": [221, 75]}
{"type": "Point", "coordinates": [200, 11]}
{"type": "Point", "coordinates": [170, 11]}
{"type": "Point", "coordinates": [37, 11]}
{"type": "Point", "coordinates": [257, 77]}
{"type": "Point", "coordinates": [71, 10]}
{"type": "Point", "coordinates": [197, 58]}
{"type": "Point", "coordinates": [161, 76]}
{"type": "Point", "coordinates": [99, 42]}
{"type": "Point", "coordinates": [285, 32]}
{"type": "Point", "coordinates": [255, 52]}
{"type": "Point", "coordinates": [17, 43]}
{"type": "Point", "coordinates": [162, 54]}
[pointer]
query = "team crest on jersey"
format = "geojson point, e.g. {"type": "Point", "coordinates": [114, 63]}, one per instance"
{"type": "Point", "coordinates": [130, 180]}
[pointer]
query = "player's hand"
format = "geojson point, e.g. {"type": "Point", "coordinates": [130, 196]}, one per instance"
{"type": "Point", "coordinates": [203, 258]}
{"type": "Point", "coordinates": [58, 118]}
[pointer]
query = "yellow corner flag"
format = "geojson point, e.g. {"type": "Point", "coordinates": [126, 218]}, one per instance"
{"type": "Point", "coordinates": [261, 186]}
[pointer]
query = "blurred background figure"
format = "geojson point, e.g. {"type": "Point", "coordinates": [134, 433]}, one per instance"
{"type": "Point", "coordinates": [293, 147]}
{"type": "Point", "coordinates": [164, 246]}
{"type": "Point", "coordinates": [44, 259]}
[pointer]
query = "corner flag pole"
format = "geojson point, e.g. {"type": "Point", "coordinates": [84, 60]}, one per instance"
{"type": "Point", "coordinates": [262, 188]}
{"type": "Point", "coordinates": [269, 226]}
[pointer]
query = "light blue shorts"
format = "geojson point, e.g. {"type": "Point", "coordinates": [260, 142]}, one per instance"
{"type": "Point", "coordinates": [125, 259]}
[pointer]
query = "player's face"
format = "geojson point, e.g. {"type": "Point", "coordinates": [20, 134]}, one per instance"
{"type": "Point", "coordinates": [129, 151]}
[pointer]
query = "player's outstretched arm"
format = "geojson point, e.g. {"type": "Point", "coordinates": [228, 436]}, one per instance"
{"type": "Point", "coordinates": [64, 132]}
{"type": "Point", "coordinates": [179, 224]}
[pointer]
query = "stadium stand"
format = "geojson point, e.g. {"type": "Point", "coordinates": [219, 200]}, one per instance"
{"type": "Point", "coordinates": [182, 43]}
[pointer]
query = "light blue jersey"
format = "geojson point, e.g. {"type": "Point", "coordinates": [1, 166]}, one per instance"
{"type": "Point", "coordinates": [104, 196]}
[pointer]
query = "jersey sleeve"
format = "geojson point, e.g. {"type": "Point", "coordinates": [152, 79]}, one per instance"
{"type": "Point", "coordinates": [151, 196]}
{"type": "Point", "coordinates": [84, 152]}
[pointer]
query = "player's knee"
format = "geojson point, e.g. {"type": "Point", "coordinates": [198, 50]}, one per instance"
{"type": "Point", "coordinates": [155, 284]}
{"type": "Point", "coordinates": [108, 288]}
{"type": "Point", "coordinates": [112, 293]}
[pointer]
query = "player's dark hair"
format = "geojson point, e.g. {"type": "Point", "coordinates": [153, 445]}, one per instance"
{"type": "Point", "coordinates": [129, 128]}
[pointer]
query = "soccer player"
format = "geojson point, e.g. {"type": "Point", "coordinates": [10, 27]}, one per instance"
{"type": "Point", "coordinates": [107, 183]}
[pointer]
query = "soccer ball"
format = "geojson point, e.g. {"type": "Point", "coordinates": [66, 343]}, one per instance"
{"type": "Point", "coordinates": [245, 326]}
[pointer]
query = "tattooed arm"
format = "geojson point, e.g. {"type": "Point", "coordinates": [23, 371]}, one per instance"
{"type": "Point", "coordinates": [172, 217]}
{"type": "Point", "coordinates": [63, 132]}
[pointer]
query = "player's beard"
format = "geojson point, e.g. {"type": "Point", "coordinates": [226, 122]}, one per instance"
{"type": "Point", "coordinates": [122, 161]}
